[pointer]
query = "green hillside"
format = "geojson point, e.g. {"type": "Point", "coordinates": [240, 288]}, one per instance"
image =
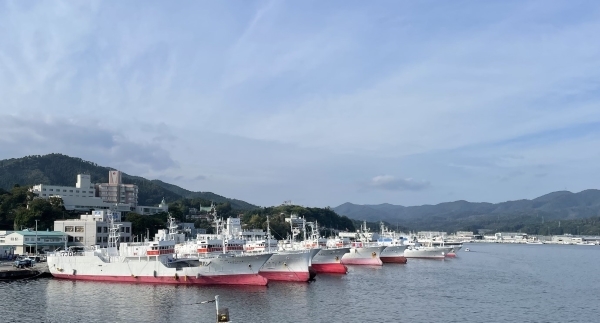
{"type": "Point", "coordinates": [58, 169]}
{"type": "Point", "coordinates": [525, 215]}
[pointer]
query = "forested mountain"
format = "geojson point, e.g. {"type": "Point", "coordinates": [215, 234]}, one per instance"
{"type": "Point", "coordinates": [524, 215]}
{"type": "Point", "coordinates": [58, 169]}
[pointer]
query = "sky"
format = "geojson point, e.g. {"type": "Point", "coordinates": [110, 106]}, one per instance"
{"type": "Point", "coordinates": [314, 102]}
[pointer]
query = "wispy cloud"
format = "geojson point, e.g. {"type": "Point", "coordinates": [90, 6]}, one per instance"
{"type": "Point", "coordinates": [392, 183]}
{"type": "Point", "coordinates": [85, 138]}
{"type": "Point", "coordinates": [267, 98]}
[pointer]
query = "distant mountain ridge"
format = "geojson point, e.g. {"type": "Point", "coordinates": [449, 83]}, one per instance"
{"type": "Point", "coordinates": [58, 169]}
{"type": "Point", "coordinates": [468, 215]}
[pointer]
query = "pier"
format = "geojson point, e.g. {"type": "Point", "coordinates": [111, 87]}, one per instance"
{"type": "Point", "coordinates": [8, 272]}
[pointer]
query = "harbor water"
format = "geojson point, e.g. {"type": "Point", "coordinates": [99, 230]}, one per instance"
{"type": "Point", "coordinates": [490, 283]}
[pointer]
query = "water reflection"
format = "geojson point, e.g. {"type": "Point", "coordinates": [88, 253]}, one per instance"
{"type": "Point", "coordinates": [496, 283]}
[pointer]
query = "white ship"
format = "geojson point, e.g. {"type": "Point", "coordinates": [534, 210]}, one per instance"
{"type": "Point", "coordinates": [419, 251]}
{"type": "Point", "coordinates": [362, 252]}
{"type": "Point", "coordinates": [283, 265]}
{"type": "Point", "coordinates": [329, 258]}
{"type": "Point", "coordinates": [394, 247]}
{"type": "Point", "coordinates": [154, 262]}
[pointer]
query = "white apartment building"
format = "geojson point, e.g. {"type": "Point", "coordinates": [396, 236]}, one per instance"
{"type": "Point", "coordinates": [93, 229]}
{"type": "Point", "coordinates": [85, 196]}
{"type": "Point", "coordinates": [83, 188]}
{"type": "Point", "coordinates": [81, 197]}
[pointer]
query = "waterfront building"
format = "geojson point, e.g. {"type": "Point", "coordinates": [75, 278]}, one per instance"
{"type": "Point", "coordinates": [25, 241]}
{"type": "Point", "coordinates": [511, 237]}
{"type": "Point", "coordinates": [93, 229]}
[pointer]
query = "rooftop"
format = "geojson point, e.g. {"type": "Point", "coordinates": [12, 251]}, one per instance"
{"type": "Point", "coordinates": [40, 233]}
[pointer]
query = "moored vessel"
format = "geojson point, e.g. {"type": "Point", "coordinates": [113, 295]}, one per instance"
{"type": "Point", "coordinates": [154, 262]}
{"type": "Point", "coordinates": [419, 251]}
{"type": "Point", "coordinates": [394, 247]}
{"type": "Point", "coordinates": [362, 252]}
{"type": "Point", "coordinates": [283, 265]}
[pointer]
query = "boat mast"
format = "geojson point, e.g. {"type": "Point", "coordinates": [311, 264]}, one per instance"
{"type": "Point", "coordinates": [113, 238]}
{"type": "Point", "coordinates": [268, 236]}
{"type": "Point", "coordinates": [304, 227]}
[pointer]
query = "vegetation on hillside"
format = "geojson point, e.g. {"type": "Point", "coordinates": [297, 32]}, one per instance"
{"type": "Point", "coordinates": [19, 210]}
{"type": "Point", "coordinates": [525, 215]}
{"type": "Point", "coordinates": [327, 219]}
{"type": "Point", "coordinates": [58, 169]}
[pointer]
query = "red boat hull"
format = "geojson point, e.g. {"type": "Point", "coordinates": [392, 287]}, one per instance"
{"type": "Point", "coordinates": [333, 268]}
{"type": "Point", "coordinates": [362, 261]}
{"type": "Point", "coordinates": [288, 276]}
{"type": "Point", "coordinates": [393, 260]}
{"type": "Point", "coordinates": [250, 279]}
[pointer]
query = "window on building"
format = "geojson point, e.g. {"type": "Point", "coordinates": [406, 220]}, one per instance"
{"type": "Point", "coordinates": [71, 191]}
{"type": "Point", "coordinates": [51, 189]}
{"type": "Point", "coordinates": [78, 239]}
{"type": "Point", "coordinates": [99, 239]}
{"type": "Point", "coordinates": [79, 229]}
{"type": "Point", "coordinates": [64, 190]}
{"type": "Point", "coordinates": [122, 229]}
{"type": "Point", "coordinates": [43, 189]}
{"type": "Point", "coordinates": [44, 194]}
{"type": "Point", "coordinates": [68, 229]}
{"type": "Point", "coordinates": [127, 230]}
{"type": "Point", "coordinates": [105, 229]}
{"type": "Point", "coordinates": [99, 230]}
{"type": "Point", "coordinates": [76, 191]}
{"type": "Point", "coordinates": [105, 239]}
{"type": "Point", "coordinates": [70, 238]}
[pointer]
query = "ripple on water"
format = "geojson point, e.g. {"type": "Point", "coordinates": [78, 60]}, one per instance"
{"type": "Point", "coordinates": [495, 283]}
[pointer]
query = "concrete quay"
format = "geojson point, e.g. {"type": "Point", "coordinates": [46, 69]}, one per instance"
{"type": "Point", "coordinates": [8, 272]}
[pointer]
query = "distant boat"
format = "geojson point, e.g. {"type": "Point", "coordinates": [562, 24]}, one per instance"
{"type": "Point", "coordinates": [467, 249]}
{"type": "Point", "coordinates": [534, 242]}
{"type": "Point", "coordinates": [585, 244]}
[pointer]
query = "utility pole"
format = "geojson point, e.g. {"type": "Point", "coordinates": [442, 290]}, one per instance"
{"type": "Point", "coordinates": [36, 237]}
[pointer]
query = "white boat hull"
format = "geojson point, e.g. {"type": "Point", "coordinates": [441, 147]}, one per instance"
{"type": "Point", "coordinates": [363, 256]}
{"type": "Point", "coordinates": [288, 266]}
{"type": "Point", "coordinates": [425, 253]}
{"type": "Point", "coordinates": [242, 270]}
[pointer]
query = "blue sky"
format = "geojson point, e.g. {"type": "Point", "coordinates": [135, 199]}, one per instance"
{"type": "Point", "coordinates": [318, 102]}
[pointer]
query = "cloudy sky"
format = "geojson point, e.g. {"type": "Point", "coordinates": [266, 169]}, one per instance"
{"type": "Point", "coordinates": [318, 102]}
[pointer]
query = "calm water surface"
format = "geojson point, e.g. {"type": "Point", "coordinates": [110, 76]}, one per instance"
{"type": "Point", "coordinates": [492, 283]}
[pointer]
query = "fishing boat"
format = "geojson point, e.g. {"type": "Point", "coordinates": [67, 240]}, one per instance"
{"type": "Point", "coordinates": [394, 246]}
{"type": "Point", "coordinates": [154, 262]}
{"type": "Point", "coordinates": [282, 265]}
{"type": "Point", "coordinates": [328, 259]}
{"type": "Point", "coordinates": [419, 251]}
{"type": "Point", "coordinates": [362, 251]}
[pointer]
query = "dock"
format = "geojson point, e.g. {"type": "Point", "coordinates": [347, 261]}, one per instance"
{"type": "Point", "coordinates": [8, 272]}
